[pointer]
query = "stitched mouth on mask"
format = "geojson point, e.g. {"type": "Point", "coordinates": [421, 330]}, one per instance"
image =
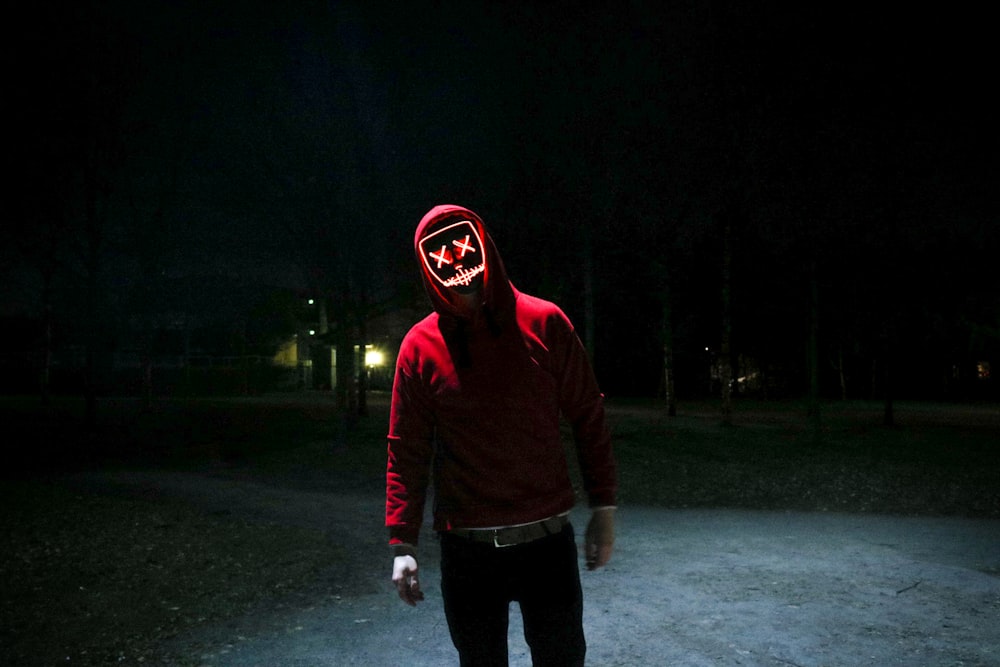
{"type": "Point", "coordinates": [464, 277]}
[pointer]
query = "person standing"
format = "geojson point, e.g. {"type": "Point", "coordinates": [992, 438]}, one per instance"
{"type": "Point", "coordinates": [481, 385]}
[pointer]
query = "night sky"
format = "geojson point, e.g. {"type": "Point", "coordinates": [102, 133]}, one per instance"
{"type": "Point", "coordinates": [184, 158]}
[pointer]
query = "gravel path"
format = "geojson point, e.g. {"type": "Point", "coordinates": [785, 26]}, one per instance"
{"type": "Point", "coordinates": [692, 587]}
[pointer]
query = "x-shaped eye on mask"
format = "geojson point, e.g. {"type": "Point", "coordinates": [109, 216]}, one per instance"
{"type": "Point", "coordinates": [462, 246]}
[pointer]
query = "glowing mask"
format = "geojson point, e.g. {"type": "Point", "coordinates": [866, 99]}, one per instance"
{"type": "Point", "coordinates": [454, 256]}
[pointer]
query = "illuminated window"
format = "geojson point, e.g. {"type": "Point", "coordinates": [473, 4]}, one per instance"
{"type": "Point", "coordinates": [983, 370]}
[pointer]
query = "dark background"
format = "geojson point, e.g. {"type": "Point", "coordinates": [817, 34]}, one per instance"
{"type": "Point", "coordinates": [812, 187]}
{"type": "Point", "coordinates": [183, 174]}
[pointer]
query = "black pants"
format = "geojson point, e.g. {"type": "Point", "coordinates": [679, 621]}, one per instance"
{"type": "Point", "coordinates": [479, 581]}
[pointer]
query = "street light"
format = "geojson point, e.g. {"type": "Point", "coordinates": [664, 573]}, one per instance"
{"type": "Point", "coordinates": [373, 357]}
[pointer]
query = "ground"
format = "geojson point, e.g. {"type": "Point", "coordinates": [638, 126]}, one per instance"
{"type": "Point", "coordinates": [226, 549]}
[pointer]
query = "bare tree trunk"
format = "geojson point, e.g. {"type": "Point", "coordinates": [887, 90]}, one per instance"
{"type": "Point", "coordinates": [589, 315]}
{"type": "Point", "coordinates": [244, 361]}
{"type": "Point", "coordinates": [45, 372]}
{"type": "Point", "coordinates": [362, 380]}
{"type": "Point", "coordinates": [888, 413]}
{"type": "Point", "coordinates": [346, 377]}
{"type": "Point", "coordinates": [147, 383]}
{"type": "Point", "coordinates": [668, 353]}
{"type": "Point", "coordinates": [346, 396]}
{"type": "Point", "coordinates": [362, 354]}
{"type": "Point", "coordinates": [841, 372]}
{"type": "Point", "coordinates": [725, 350]}
{"type": "Point", "coordinates": [188, 379]}
{"type": "Point", "coordinates": [873, 382]}
{"type": "Point", "coordinates": [813, 410]}
{"type": "Point", "coordinates": [92, 263]}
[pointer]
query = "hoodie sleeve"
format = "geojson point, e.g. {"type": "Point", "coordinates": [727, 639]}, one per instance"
{"type": "Point", "coordinates": [582, 404]}
{"type": "Point", "coordinates": [410, 451]}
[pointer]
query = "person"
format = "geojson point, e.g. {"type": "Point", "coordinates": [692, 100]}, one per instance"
{"type": "Point", "coordinates": [479, 388]}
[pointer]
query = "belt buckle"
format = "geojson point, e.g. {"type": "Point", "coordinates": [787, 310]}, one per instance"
{"type": "Point", "coordinates": [496, 540]}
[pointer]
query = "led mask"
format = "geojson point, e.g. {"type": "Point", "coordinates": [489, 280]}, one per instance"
{"type": "Point", "coordinates": [454, 257]}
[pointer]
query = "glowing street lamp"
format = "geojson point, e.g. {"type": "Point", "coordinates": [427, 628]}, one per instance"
{"type": "Point", "coordinates": [373, 357]}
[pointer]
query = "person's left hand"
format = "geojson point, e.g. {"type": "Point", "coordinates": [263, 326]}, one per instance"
{"type": "Point", "coordinates": [600, 538]}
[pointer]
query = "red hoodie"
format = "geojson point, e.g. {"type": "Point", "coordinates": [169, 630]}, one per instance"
{"type": "Point", "coordinates": [476, 407]}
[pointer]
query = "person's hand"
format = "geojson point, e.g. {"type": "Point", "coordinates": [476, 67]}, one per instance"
{"type": "Point", "coordinates": [404, 576]}
{"type": "Point", "coordinates": [600, 538]}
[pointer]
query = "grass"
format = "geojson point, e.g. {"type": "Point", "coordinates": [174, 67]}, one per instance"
{"type": "Point", "coordinates": [102, 579]}
{"type": "Point", "coordinates": [937, 460]}
{"type": "Point", "coordinates": [940, 459]}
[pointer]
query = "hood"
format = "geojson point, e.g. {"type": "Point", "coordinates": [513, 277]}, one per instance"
{"type": "Point", "coordinates": [498, 295]}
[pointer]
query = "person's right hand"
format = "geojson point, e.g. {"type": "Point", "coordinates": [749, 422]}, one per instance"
{"type": "Point", "coordinates": [404, 576]}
